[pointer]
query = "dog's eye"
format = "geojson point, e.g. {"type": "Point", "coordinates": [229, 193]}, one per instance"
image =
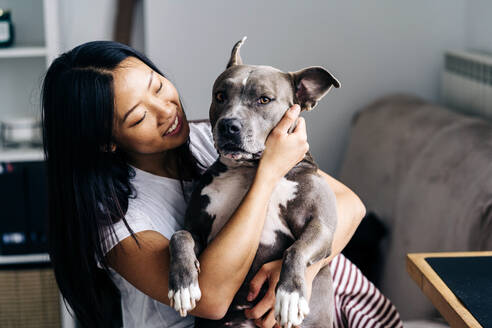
{"type": "Point", "coordinates": [264, 100]}
{"type": "Point", "coordinates": [219, 96]}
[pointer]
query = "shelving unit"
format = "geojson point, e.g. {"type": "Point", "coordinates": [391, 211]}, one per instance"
{"type": "Point", "coordinates": [22, 66]}
{"type": "Point", "coordinates": [23, 51]}
{"type": "Point", "coordinates": [21, 155]}
{"type": "Point", "coordinates": [67, 320]}
{"type": "Point", "coordinates": [21, 259]}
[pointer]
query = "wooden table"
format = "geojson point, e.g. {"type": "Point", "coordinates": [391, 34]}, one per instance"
{"type": "Point", "coordinates": [437, 291]}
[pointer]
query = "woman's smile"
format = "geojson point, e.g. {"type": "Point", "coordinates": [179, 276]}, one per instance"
{"type": "Point", "coordinates": [156, 121]}
{"type": "Point", "coordinates": [175, 127]}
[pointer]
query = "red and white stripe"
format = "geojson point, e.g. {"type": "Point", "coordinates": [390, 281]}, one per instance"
{"type": "Point", "coordinates": [358, 303]}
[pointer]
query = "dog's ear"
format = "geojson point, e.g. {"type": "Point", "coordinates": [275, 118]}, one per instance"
{"type": "Point", "coordinates": [311, 84]}
{"type": "Point", "coordinates": [235, 56]}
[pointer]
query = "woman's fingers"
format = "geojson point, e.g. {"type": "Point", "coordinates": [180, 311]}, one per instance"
{"type": "Point", "coordinates": [301, 126]}
{"type": "Point", "coordinates": [262, 312]}
{"type": "Point", "coordinates": [300, 130]}
{"type": "Point", "coordinates": [256, 283]}
{"type": "Point", "coordinates": [268, 321]}
{"type": "Point", "coordinates": [266, 303]}
{"type": "Point", "coordinates": [289, 118]}
{"type": "Point", "coordinates": [283, 150]}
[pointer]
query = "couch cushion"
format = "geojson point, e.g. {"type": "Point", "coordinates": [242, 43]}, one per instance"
{"type": "Point", "coordinates": [427, 173]}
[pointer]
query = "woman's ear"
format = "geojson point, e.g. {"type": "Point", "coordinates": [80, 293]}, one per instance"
{"type": "Point", "coordinates": [311, 84]}
{"type": "Point", "coordinates": [111, 149]}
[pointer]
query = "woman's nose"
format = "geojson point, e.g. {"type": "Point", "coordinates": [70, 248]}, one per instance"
{"type": "Point", "coordinates": [164, 111]}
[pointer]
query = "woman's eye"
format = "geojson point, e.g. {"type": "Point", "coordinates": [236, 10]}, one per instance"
{"type": "Point", "coordinates": [264, 100]}
{"type": "Point", "coordinates": [140, 120]}
{"type": "Point", "coordinates": [219, 96]}
{"type": "Point", "coordinates": [160, 87]}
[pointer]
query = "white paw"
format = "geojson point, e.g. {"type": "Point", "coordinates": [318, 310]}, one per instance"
{"type": "Point", "coordinates": [184, 299]}
{"type": "Point", "coordinates": [290, 309]}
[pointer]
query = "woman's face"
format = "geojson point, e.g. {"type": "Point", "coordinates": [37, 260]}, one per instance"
{"type": "Point", "coordinates": [148, 114]}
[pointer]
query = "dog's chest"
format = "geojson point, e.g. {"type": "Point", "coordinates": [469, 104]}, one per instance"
{"type": "Point", "coordinates": [227, 190]}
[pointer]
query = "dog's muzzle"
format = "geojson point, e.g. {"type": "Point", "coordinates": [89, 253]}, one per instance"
{"type": "Point", "coordinates": [230, 142]}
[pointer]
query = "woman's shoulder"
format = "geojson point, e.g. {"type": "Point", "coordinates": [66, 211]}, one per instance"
{"type": "Point", "coordinates": [207, 121]}
{"type": "Point", "coordinates": [201, 142]}
{"type": "Point", "coordinates": [200, 129]}
{"type": "Point", "coordinates": [135, 219]}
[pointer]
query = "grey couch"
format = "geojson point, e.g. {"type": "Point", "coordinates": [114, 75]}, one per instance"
{"type": "Point", "coordinates": [427, 173]}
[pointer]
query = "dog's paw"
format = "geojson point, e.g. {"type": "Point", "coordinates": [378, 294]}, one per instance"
{"type": "Point", "coordinates": [185, 298]}
{"type": "Point", "coordinates": [184, 291]}
{"type": "Point", "coordinates": [290, 308]}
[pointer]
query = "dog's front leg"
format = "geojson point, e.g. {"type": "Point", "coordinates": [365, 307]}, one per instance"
{"type": "Point", "coordinates": [184, 291]}
{"type": "Point", "coordinates": [314, 244]}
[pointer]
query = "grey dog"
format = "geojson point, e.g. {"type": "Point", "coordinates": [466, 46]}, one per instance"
{"type": "Point", "coordinates": [248, 102]}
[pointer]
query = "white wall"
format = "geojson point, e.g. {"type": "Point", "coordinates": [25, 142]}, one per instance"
{"type": "Point", "coordinates": [372, 47]}
{"type": "Point", "coordinates": [479, 25]}
{"type": "Point", "coordinates": [89, 20]}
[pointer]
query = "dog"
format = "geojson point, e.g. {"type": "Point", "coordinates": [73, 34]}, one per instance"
{"type": "Point", "coordinates": [248, 102]}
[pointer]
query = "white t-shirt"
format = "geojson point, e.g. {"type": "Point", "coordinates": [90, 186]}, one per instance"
{"type": "Point", "coordinates": [159, 205]}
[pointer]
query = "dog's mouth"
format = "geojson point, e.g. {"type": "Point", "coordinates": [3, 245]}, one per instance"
{"type": "Point", "coordinates": [232, 151]}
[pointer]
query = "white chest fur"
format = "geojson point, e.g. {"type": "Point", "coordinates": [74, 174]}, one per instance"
{"type": "Point", "coordinates": [228, 189]}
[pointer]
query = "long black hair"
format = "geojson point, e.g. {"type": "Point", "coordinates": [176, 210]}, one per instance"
{"type": "Point", "coordinates": [88, 184]}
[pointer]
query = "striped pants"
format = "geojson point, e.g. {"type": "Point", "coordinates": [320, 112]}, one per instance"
{"type": "Point", "coordinates": [358, 303]}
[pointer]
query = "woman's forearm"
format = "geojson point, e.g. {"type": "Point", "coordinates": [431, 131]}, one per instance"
{"type": "Point", "coordinates": [228, 258]}
{"type": "Point", "coordinates": [350, 211]}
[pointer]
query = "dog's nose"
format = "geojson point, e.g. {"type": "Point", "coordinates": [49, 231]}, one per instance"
{"type": "Point", "coordinates": [229, 126]}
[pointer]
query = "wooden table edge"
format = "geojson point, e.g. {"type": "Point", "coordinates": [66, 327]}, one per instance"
{"type": "Point", "coordinates": [437, 291]}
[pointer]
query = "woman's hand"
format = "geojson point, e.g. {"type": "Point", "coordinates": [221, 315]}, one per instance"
{"type": "Point", "coordinates": [284, 150]}
{"type": "Point", "coordinates": [270, 271]}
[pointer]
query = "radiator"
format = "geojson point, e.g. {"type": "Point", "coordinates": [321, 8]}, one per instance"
{"type": "Point", "coordinates": [467, 82]}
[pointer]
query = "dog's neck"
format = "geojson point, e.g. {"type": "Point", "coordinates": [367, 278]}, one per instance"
{"type": "Point", "coordinates": [235, 164]}
{"type": "Point", "coordinates": [230, 163]}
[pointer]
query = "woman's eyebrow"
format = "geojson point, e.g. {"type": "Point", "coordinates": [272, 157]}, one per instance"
{"type": "Point", "coordinates": [135, 106]}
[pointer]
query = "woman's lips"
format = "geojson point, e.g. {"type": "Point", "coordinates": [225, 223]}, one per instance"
{"type": "Point", "coordinates": [177, 129]}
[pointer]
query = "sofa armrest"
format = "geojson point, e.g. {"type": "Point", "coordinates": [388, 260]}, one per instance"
{"type": "Point", "coordinates": [425, 171]}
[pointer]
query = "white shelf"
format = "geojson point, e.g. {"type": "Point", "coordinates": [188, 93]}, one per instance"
{"type": "Point", "coordinates": [21, 259]}
{"type": "Point", "coordinates": [23, 51]}
{"type": "Point", "coordinates": [47, 48]}
{"type": "Point", "coordinates": [21, 155]}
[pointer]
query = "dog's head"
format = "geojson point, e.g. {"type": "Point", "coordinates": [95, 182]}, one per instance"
{"type": "Point", "coordinates": [248, 101]}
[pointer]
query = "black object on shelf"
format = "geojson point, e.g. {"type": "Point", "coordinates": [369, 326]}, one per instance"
{"type": "Point", "coordinates": [470, 279]}
{"type": "Point", "coordinates": [24, 207]}
{"type": "Point", "coordinates": [6, 28]}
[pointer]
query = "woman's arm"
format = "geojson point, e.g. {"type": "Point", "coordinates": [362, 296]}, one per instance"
{"type": "Point", "coordinates": [224, 263]}
{"type": "Point", "coordinates": [227, 259]}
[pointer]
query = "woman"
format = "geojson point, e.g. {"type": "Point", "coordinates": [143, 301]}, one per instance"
{"type": "Point", "coordinates": [121, 159]}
